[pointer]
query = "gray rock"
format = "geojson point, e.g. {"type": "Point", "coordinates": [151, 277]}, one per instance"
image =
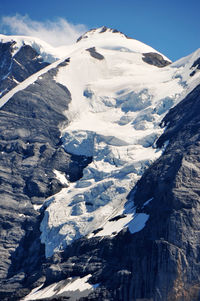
{"type": "Point", "coordinates": [95, 54]}
{"type": "Point", "coordinates": [195, 65]}
{"type": "Point", "coordinates": [155, 59]}
{"type": "Point", "coordinates": [14, 69]}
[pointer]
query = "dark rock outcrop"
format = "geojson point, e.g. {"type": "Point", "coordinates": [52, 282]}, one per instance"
{"type": "Point", "coordinates": [155, 59]}
{"type": "Point", "coordinates": [95, 54]}
{"type": "Point", "coordinates": [195, 65]}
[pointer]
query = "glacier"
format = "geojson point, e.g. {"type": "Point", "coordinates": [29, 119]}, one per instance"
{"type": "Point", "coordinates": [118, 102]}
{"type": "Point", "coordinates": [117, 105]}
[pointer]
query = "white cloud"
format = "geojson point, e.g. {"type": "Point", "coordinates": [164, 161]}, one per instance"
{"type": "Point", "coordinates": [56, 33]}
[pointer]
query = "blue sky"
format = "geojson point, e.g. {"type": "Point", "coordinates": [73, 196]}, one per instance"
{"type": "Point", "coordinates": [172, 26]}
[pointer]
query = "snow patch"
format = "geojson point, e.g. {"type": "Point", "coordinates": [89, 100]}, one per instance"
{"type": "Point", "coordinates": [37, 207]}
{"type": "Point", "coordinates": [61, 177]}
{"type": "Point", "coordinates": [138, 223]}
{"type": "Point", "coordinates": [62, 288]}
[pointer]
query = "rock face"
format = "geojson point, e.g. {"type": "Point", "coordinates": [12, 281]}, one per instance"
{"type": "Point", "coordinates": [16, 68]}
{"type": "Point", "coordinates": [196, 65]}
{"type": "Point", "coordinates": [155, 59]}
{"type": "Point", "coordinates": [95, 54]}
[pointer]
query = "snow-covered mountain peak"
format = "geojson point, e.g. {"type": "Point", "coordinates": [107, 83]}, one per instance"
{"type": "Point", "coordinates": [113, 39]}
{"type": "Point", "coordinates": [99, 31]}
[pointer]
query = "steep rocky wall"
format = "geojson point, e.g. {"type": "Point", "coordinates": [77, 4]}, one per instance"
{"type": "Point", "coordinates": [16, 68]}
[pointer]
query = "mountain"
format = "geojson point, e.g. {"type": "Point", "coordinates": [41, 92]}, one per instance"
{"type": "Point", "coordinates": [99, 170]}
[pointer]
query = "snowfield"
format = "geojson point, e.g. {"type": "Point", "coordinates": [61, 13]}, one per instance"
{"type": "Point", "coordinates": [118, 102]}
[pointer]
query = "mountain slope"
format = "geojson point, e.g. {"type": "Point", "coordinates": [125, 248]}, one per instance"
{"type": "Point", "coordinates": [118, 102]}
{"type": "Point", "coordinates": [31, 157]}
{"type": "Point", "coordinates": [161, 262]}
{"type": "Point", "coordinates": [77, 136]}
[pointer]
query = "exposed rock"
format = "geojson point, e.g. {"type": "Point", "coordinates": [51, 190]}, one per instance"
{"type": "Point", "coordinates": [15, 69]}
{"type": "Point", "coordinates": [116, 218]}
{"type": "Point", "coordinates": [104, 29]}
{"type": "Point", "coordinates": [95, 54]}
{"type": "Point", "coordinates": [197, 65]}
{"type": "Point", "coordinates": [155, 59]}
